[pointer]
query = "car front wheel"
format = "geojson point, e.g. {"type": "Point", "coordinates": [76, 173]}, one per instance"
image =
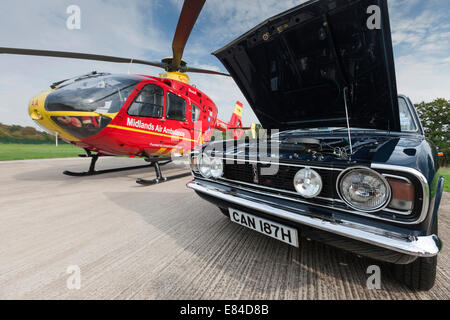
{"type": "Point", "coordinates": [421, 274]}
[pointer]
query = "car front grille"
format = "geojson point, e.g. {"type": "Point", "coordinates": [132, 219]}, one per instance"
{"type": "Point", "coordinates": [281, 181]}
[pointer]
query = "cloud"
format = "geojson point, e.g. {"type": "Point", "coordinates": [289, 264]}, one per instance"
{"type": "Point", "coordinates": [229, 19]}
{"type": "Point", "coordinates": [109, 27]}
{"type": "Point", "coordinates": [421, 38]}
{"type": "Point", "coordinates": [423, 80]}
{"type": "Point", "coordinates": [119, 28]}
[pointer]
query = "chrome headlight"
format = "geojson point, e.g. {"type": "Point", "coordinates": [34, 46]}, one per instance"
{"type": "Point", "coordinates": [216, 167]}
{"type": "Point", "coordinates": [204, 165]}
{"type": "Point", "coordinates": [364, 189]}
{"type": "Point", "coordinates": [308, 183]}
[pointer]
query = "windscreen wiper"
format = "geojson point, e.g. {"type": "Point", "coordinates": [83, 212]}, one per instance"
{"type": "Point", "coordinates": [78, 78]}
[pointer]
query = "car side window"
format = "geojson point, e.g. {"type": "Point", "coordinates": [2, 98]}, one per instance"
{"type": "Point", "coordinates": [148, 103]}
{"type": "Point", "coordinates": [176, 107]}
{"type": "Point", "coordinates": [406, 118]}
{"type": "Point", "coordinates": [195, 113]}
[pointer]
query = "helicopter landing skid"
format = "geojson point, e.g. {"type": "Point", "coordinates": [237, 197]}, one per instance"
{"type": "Point", "coordinates": [159, 176]}
{"type": "Point", "coordinates": [93, 172]}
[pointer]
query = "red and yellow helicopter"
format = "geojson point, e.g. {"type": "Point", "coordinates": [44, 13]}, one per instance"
{"type": "Point", "coordinates": [134, 115]}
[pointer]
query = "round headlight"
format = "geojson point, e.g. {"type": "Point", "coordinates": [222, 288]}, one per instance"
{"type": "Point", "coordinates": [364, 189]}
{"type": "Point", "coordinates": [308, 183]}
{"type": "Point", "coordinates": [216, 167]}
{"type": "Point", "coordinates": [204, 166]}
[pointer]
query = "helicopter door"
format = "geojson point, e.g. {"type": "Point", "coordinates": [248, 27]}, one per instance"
{"type": "Point", "coordinates": [178, 126]}
{"type": "Point", "coordinates": [207, 125]}
{"type": "Point", "coordinates": [145, 113]}
{"type": "Point", "coordinates": [196, 126]}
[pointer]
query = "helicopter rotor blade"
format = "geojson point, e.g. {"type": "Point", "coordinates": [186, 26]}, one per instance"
{"type": "Point", "coordinates": [205, 71]}
{"type": "Point", "coordinates": [95, 57]}
{"type": "Point", "coordinates": [75, 55]}
{"type": "Point", "coordinates": [189, 14]}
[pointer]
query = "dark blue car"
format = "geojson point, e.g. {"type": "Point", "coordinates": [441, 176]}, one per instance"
{"type": "Point", "coordinates": [349, 165]}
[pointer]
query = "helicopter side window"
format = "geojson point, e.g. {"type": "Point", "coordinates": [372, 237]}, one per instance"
{"type": "Point", "coordinates": [195, 113]}
{"type": "Point", "coordinates": [148, 103]}
{"type": "Point", "coordinates": [118, 99]}
{"type": "Point", "coordinates": [176, 107]}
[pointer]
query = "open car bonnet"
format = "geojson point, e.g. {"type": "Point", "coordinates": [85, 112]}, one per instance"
{"type": "Point", "coordinates": [298, 68]}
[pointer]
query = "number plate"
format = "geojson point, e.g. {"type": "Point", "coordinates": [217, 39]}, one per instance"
{"type": "Point", "coordinates": [269, 228]}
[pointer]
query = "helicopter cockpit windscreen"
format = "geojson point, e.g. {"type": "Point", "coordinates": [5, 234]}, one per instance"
{"type": "Point", "coordinates": [101, 94]}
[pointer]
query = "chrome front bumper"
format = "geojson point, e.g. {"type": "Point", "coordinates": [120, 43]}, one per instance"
{"type": "Point", "coordinates": [427, 246]}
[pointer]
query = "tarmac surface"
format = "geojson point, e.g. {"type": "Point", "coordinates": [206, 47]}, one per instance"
{"type": "Point", "coordinates": [127, 241]}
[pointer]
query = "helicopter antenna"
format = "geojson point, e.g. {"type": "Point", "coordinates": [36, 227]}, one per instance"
{"type": "Point", "coordinates": [129, 66]}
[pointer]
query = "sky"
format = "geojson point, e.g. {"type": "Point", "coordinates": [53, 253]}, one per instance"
{"type": "Point", "coordinates": [144, 30]}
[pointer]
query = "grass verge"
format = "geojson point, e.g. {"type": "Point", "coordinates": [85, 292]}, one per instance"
{"type": "Point", "coordinates": [37, 151]}
{"type": "Point", "coordinates": [445, 172]}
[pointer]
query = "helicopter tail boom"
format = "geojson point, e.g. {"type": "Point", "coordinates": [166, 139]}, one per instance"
{"type": "Point", "coordinates": [236, 118]}
{"type": "Point", "coordinates": [235, 123]}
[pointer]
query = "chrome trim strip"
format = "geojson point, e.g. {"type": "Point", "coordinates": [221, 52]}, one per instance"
{"type": "Point", "coordinates": [282, 164]}
{"type": "Point", "coordinates": [419, 176]}
{"type": "Point", "coordinates": [402, 213]}
{"type": "Point", "coordinates": [427, 246]}
{"type": "Point", "coordinates": [274, 195]}
{"type": "Point", "coordinates": [396, 177]}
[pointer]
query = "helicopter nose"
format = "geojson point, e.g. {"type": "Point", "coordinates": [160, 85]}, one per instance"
{"type": "Point", "coordinates": [36, 108]}
{"type": "Point", "coordinates": [36, 115]}
{"type": "Point", "coordinates": [37, 112]}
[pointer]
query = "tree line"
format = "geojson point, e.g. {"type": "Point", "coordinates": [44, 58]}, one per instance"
{"type": "Point", "coordinates": [435, 118]}
{"type": "Point", "coordinates": [24, 135]}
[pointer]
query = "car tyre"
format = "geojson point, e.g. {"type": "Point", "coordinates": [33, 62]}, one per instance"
{"type": "Point", "coordinates": [419, 275]}
{"type": "Point", "coordinates": [225, 212]}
